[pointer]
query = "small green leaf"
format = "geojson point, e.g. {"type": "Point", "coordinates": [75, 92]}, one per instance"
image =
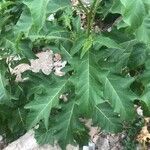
{"type": "Point", "coordinates": [77, 45]}
{"type": "Point", "coordinates": [137, 56]}
{"type": "Point", "coordinates": [77, 24]}
{"type": "Point", "coordinates": [106, 41]}
{"type": "Point", "coordinates": [87, 45]}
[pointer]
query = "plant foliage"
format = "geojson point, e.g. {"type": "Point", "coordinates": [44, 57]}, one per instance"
{"type": "Point", "coordinates": [107, 69]}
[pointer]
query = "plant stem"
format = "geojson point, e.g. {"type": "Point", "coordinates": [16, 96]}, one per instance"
{"type": "Point", "coordinates": [83, 7]}
{"type": "Point", "coordinates": [91, 15]}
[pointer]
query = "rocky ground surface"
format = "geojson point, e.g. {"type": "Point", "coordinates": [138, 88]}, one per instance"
{"type": "Point", "coordinates": [104, 142]}
{"type": "Point", "coordinates": [28, 142]}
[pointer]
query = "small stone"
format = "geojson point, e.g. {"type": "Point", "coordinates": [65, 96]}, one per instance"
{"type": "Point", "coordinates": [139, 111]}
{"type": "Point", "coordinates": [57, 57]}
{"type": "Point", "coordinates": [91, 146]}
{"type": "Point", "coordinates": [103, 144]}
{"type": "Point", "coordinates": [87, 2]}
{"type": "Point", "coordinates": [51, 17]}
{"type": "Point", "coordinates": [64, 97]}
{"type": "Point", "coordinates": [59, 73]}
{"type": "Point", "coordinates": [1, 138]}
{"type": "Point", "coordinates": [109, 29]}
{"type": "Point", "coordinates": [86, 148]}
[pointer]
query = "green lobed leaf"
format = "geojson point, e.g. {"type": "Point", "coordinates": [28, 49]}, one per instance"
{"type": "Point", "coordinates": [46, 91]}
{"type": "Point", "coordinates": [116, 7]}
{"type": "Point", "coordinates": [50, 32]}
{"type": "Point", "coordinates": [3, 93]}
{"type": "Point", "coordinates": [44, 136]}
{"type": "Point", "coordinates": [137, 56]}
{"type": "Point", "coordinates": [145, 97]}
{"type": "Point", "coordinates": [38, 13]}
{"type": "Point", "coordinates": [143, 32]}
{"type": "Point", "coordinates": [106, 41]}
{"type": "Point", "coordinates": [88, 84]}
{"type": "Point", "coordinates": [132, 55]}
{"type": "Point", "coordinates": [77, 24]}
{"type": "Point", "coordinates": [105, 117]}
{"type": "Point", "coordinates": [24, 23]}
{"type": "Point", "coordinates": [133, 12]}
{"type": "Point", "coordinates": [68, 126]}
{"type": "Point", "coordinates": [145, 79]}
{"type": "Point", "coordinates": [55, 5]}
{"type": "Point", "coordinates": [25, 48]}
{"type": "Point", "coordinates": [43, 7]}
{"type": "Point", "coordinates": [5, 97]}
{"type": "Point", "coordinates": [117, 92]}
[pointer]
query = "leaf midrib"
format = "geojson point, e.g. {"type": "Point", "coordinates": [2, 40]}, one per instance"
{"type": "Point", "coordinates": [2, 86]}
{"type": "Point", "coordinates": [51, 101]}
{"type": "Point", "coordinates": [118, 97]}
{"type": "Point", "coordinates": [104, 115]}
{"type": "Point", "coordinates": [69, 122]}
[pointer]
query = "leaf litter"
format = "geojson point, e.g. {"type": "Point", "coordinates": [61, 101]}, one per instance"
{"type": "Point", "coordinates": [46, 62]}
